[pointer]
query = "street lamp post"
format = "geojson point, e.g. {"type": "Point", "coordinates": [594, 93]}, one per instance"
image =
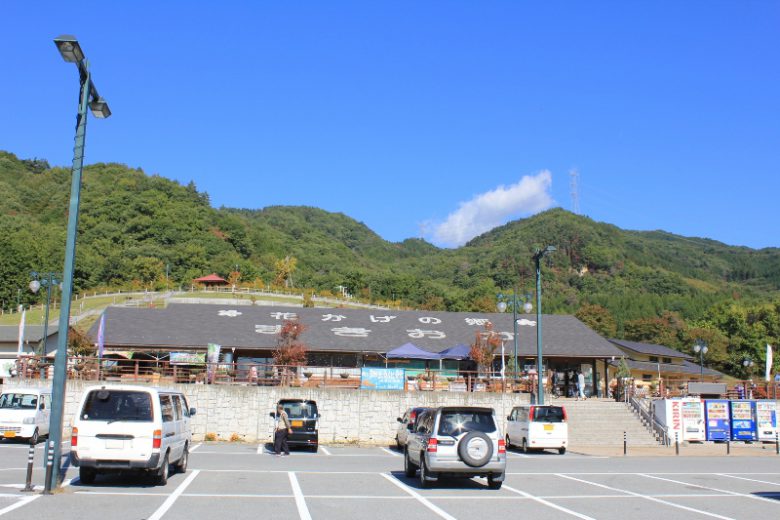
{"type": "Point", "coordinates": [538, 255]}
{"type": "Point", "coordinates": [44, 280]}
{"type": "Point", "coordinates": [71, 52]}
{"type": "Point", "coordinates": [700, 347]}
{"type": "Point", "coordinates": [527, 307]}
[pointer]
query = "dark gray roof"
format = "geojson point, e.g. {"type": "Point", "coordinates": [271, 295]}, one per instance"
{"type": "Point", "coordinates": [10, 333]}
{"type": "Point", "coordinates": [188, 326]}
{"type": "Point", "coordinates": [686, 367]}
{"type": "Point", "coordinates": [650, 348]}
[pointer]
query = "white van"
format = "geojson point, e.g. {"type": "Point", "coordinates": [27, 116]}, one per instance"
{"type": "Point", "coordinates": [538, 427]}
{"type": "Point", "coordinates": [127, 427]}
{"type": "Point", "coordinates": [24, 414]}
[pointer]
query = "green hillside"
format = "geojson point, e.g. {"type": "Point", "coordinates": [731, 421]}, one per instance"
{"type": "Point", "coordinates": [648, 286]}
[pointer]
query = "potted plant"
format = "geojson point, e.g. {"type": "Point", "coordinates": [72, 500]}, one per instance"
{"type": "Point", "coordinates": [307, 374]}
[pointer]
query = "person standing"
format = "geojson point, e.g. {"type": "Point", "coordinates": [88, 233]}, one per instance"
{"type": "Point", "coordinates": [580, 385]}
{"type": "Point", "coordinates": [282, 432]}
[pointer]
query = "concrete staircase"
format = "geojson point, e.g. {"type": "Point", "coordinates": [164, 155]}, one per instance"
{"type": "Point", "coordinates": [601, 422]}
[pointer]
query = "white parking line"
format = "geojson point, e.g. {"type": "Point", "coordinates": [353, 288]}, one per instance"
{"type": "Point", "coordinates": [732, 493]}
{"type": "Point", "coordinates": [300, 502]}
{"type": "Point", "coordinates": [260, 449]}
{"type": "Point", "coordinates": [325, 451]}
{"type": "Point", "coordinates": [21, 503]}
{"type": "Point", "coordinates": [750, 479]}
{"type": "Point", "coordinates": [173, 496]}
{"type": "Point", "coordinates": [548, 504]}
{"type": "Point", "coordinates": [646, 497]}
{"type": "Point", "coordinates": [424, 501]}
{"type": "Point", "coordinates": [391, 452]}
{"type": "Point", "coordinates": [195, 447]}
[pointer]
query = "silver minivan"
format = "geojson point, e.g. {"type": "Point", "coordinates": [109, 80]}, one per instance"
{"type": "Point", "coordinates": [460, 441]}
{"type": "Point", "coordinates": [128, 427]}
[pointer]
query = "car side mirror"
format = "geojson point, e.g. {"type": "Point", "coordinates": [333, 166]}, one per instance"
{"type": "Point", "coordinates": [508, 417]}
{"type": "Point", "coordinates": [399, 419]}
{"type": "Point", "coordinates": [193, 411]}
{"type": "Point", "coordinates": [272, 415]}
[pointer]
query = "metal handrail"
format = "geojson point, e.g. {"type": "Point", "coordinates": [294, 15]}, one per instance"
{"type": "Point", "coordinates": [658, 429]}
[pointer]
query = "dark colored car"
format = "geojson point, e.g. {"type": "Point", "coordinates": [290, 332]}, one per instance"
{"type": "Point", "coordinates": [304, 420]}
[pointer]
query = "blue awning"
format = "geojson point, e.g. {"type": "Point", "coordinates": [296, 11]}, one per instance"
{"type": "Point", "coordinates": [411, 351]}
{"type": "Point", "coordinates": [457, 352]}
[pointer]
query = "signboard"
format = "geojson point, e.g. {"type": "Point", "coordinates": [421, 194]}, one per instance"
{"type": "Point", "coordinates": [382, 378]}
{"type": "Point", "coordinates": [187, 358]}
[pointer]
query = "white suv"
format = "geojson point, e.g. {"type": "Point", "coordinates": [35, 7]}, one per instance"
{"type": "Point", "coordinates": [456, 442]}
{"type": "Point", "coordinates": [120, 428]}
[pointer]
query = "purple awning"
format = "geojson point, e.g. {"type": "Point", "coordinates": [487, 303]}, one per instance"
{"type": "Point", "coordinates": [410, 351]}
{"type": "Point", "coordinates": [456, 352]}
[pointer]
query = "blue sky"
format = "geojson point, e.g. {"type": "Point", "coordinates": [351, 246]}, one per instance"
{"type": "Point", "coordinates": [423, 117]}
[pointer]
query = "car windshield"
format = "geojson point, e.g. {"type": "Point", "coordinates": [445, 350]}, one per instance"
{"type": "Point", "coordinates": [117, 405]}
{"type": "Point", "coordinates": [19, 401]}
{"type": "Point", "coordinates": [456, 422]}
{"type": "Point", "coordinates": [300, 410]}
{"type": "Point", "coordinates": [550, 414]}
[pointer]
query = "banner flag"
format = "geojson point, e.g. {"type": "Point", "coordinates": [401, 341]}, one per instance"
{"type": "Point", "coordinates": [20, 349]}
{"type": "Point", "coordinates": [101, 336]}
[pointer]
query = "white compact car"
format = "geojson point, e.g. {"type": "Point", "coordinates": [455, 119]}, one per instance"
{"type": "Point", "coordinates": [538, 427]}
{"type": "Point", "coordinates": [24, 413]}
{"type": "Point", "coordinates": [122, 428]}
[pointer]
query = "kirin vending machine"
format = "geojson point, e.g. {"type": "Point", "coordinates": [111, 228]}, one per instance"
{"type": "Point", "coordinates": [683, 418]}
{"type": "Point", "coordinates": [716, 416]}
{"type": "Point", "coordinates": [743, 420]}
{"type": "Point", "coordinates": [766, 420]}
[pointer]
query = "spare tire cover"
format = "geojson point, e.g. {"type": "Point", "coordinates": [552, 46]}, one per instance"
{"type": "Point", "coordinates": [475, 449]}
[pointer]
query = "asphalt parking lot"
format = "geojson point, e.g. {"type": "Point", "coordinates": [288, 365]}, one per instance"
{"type": "Point", "coordinates": [244, 481]}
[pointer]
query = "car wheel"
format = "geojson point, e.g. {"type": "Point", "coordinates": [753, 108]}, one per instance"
{"type": "Point", "coordinates": [87, 475]}
{"type": "Point", "coordinates": [181, 466]}
{"type": "Point", "coordinates": [34, 437]}
{"type": "Point", "coordinates": [562, 450]}
{"type": "Point", "coordinates": [493, 483]}
{"type": "Point", "coordinates": [409, 468]}
{"type": "Point", "coordinates": [424, 483]}
{"type": "Point", "coordinates": [162, 473]}
{"type": "Point", "coordinates": [524, 447]}
{"type": "Point", "coordinates": [314, 448]}
{"type": "Point", "coordinates": [475, 449]}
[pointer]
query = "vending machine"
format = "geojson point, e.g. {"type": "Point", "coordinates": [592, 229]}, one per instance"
{"type": "Point", "coordinates": [683, 418]}
{"type": "Point", "coordinates": [693, 420]}
{"type": "Point", "coordinates": [766, 419]}
{"type": "Point", "coordinates": [716, 416]}
{"type": "Point", "coordinates": [743, 420]}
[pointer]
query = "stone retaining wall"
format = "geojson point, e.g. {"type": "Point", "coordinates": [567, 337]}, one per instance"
{"type": "Point", "coordinates": [347, 416]}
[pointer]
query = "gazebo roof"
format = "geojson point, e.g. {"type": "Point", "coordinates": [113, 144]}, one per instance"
{"type": "Point", "coordinates": [213, 277]}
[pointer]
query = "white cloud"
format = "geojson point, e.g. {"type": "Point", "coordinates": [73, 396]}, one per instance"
{"type": "Point", "coordinates": [493, 208]}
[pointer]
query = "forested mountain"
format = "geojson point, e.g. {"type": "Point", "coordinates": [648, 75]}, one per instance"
{"type": "Point", "coordinates": [648, 286]}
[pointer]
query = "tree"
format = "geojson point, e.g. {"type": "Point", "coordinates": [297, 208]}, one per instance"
{"type": "Point", "coordinates": [290, 350]}
{"type": "Point", "coordinates": [599, 319]}
{"type": "Point", "coordinates": [483, 350]}
{"type": "Point", "coordinates": [284, 270]}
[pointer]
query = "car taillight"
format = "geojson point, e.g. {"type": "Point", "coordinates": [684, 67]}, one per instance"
{"type": "Point", "coordinates": [74, 437]}
{"type": "Point", "coordinates": [501, 446]}
{"type": "Point", "coordinates": [412, 417]}
{"type": "Point", "coordinates": [157, 439]}
{"type": "Point", "coordinates": [433, 445]}
{"type": "Point", "coordinates": [565, 416]}
{"type": "Point", "coordinates": [531, 414]}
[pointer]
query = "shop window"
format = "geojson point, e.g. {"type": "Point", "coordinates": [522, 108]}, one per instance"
{"type": "Point", "coordinates": [667, 360]}
{"type": "Point", "coordinates": [654, 359]}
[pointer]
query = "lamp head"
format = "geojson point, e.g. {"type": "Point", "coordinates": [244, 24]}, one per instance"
{"type": "Point", "coordinates": [501, 306]}
{"type": "Point", "coordinates": [69, 48]}
{"type": "Point", "coordinates": [99, 108]}
{"type": "Point", "coordinates": [35, 286]}
{"type": "Point", "coordinates": [528, 307]}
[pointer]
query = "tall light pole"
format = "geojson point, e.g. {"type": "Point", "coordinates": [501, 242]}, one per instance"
{"type": "Point", "coordinates": [44, 280]}
{"type": "Point", "coordinates": [700, 347]}
{"type": "Point", "coordinates": [88, 97]}
{"type": "Point", "coordinates": [538, 255]}
{"type": "Point", "coordinates": [515, 302]}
